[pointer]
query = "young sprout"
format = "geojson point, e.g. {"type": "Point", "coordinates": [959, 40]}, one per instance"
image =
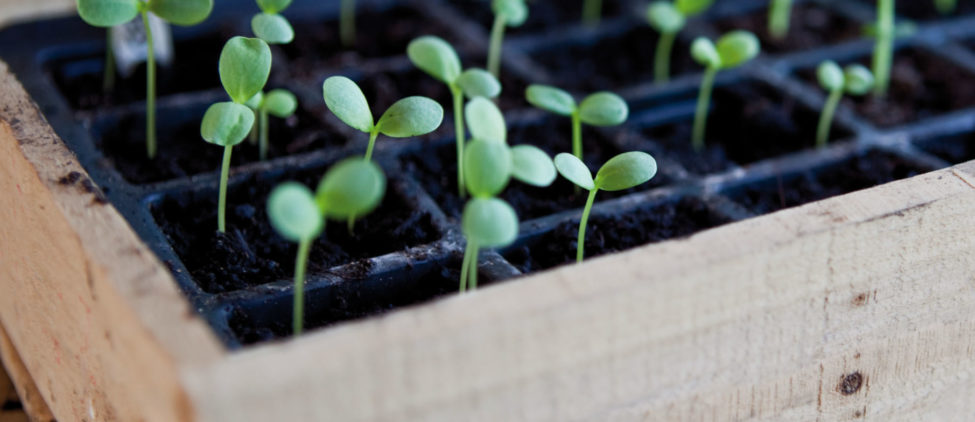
{"type": "Point", "coordinates": [592, 11]}
{"type": "Point", "coordinates": [855, 80]}
{"type": "Point", "coordinates": [779, 13]}
{"type": "Point", "coordinates": [108, 13]}
{"type": "Point", "coordinates": [883, 51]}
{"type": "Point", "coordinates": [621, 172]}
{"type": "Point", "coordinates": [945, 7]}
{"type": "Point", "coordinates": [279, 103]}
{"type": "Point", "coordinates": [408, 117]}
{"type": "Point", "coordinates": [733, 49]}
{"type": "Point", "coordinates": [599, 109]}
{"type": "Point", "coordinates": [269, 25]}
{"type": "Point", "coordinates": [511, 13]}
{"type": "Point", "coordinates": [351, 187]}
{"type": "Point", "coordinates": [669, 19]}
{"type": "Point", "coordinates": [437, 58]}
{"type": "Point", "coordinates": [489, 222]}
{"type": "Point", "coordinates": [245, 64]}
{"type": "Point", "coordinates": [347, 23]}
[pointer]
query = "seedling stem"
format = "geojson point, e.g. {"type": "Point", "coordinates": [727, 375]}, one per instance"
{"type": "Point", "coordinates": [703, 102]}
{"type": "Point", "coordinates": [263, 122]}
{"type": "Point", "coordinates": [883, 50]}
{"type": "Point", "coordinates": [494, 51]}
{"type": "Point", "coordinates": [150, 89]}
{"type": "Point", "coordinates": [468, 268]}
{"type": "Point", "coordinates": [778, 19]}
{"type": "Point", "coordinates": [372, 143]}
{"type": "Point", "coordinates": [826, 120]}
{"type": "Point", "coordinates": [222, 204]}
{"type": "Point", "coordinates": [661, 64]}
{"type": "Point", "coordinates": [581, 245]}
{"type": "Point", "coordinates": [459, 135]}
{"type": "Point", "coordinates": [299, 305]}
{"type": "Point", "coordinates": [108, 80]}
{"type": "Point", "coordinates": [347, 23]}
{"type": "Point", "coordinates": [576, 134]}
{"type": "Point", "coordinates": [591, 11]}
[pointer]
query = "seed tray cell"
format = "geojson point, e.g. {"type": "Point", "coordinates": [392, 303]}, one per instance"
{"type": "Point", "coordinates": [408, 252]}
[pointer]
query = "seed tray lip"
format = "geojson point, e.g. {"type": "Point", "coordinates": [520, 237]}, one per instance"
{"type": "Point", "coordinates": [777, 71]}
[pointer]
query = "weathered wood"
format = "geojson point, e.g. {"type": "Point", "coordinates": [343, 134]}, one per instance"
{"type": "Point", "coordinates": [861, 306]}
{"type": "Point", "coordinates": [13, 11]}
{"type": "Point", "coordinates": [96, 317]}
{"type": "Point", "coordinates": [25, 390]}
{"type": "Point", "coordinates": [7, 392]}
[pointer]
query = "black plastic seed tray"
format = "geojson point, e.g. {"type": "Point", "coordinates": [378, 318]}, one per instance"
{"type": "Point", "coordinates": [759, 157]}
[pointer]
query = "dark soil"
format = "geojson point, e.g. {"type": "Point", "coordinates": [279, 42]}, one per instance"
{"type": "Point", "coordinates": [347, 301]}
{"type": "Point", "coordinates": [610, 63]}
{"type": "Point", "coordinates": [181, 151]}
{"type": "Point", "coordinates": [924, 10]}
{"type": "Point", "coordinates": [380, 34]}
{"type": "Point", "coordinates": [810, 26]}
{"type": "Point", "coordinates": [922, 85]}
{"type": "Point", "coordinates": [870, 169]}
{"type": "Point", "coordinates": [436, 169]}
{"type": "Point", "coordinates": [543, 15]}
{"type": "Point", "coordinates": [251, 253]}
{"type": "Point", "coordinates": [953, 149]}
{"type": "Point", "coordinates": [194, 68]}
{"type": "Point", "coordinates": [607, 234]}
{"type": "Point", "coordinates": [748, 122]}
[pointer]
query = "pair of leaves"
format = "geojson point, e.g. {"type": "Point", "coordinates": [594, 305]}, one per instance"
{"type": "Point", "coordinates": [489, 163]}
{"type": "Point", "coordinates": [437, 58]}
{"type": "Point", "coordinates": [353, 187]}
{"type": "Point", "coordinates": [410, 116]}
{"type": "Point", "coordinates": [278, 102]}
{"type": "Point", "coordinates": [489, 222]}
{"type": "Point", "coordinates": [599, 109]}
{"type": "Point", "coordinates": [669, 18]}
{"type": "Point", "coordinates": [514, 12]}
{"type": "Point", "coordinates": [733, 49]}
{"type": "Point", "coordinates": [269, 25]}
{"type": "Point", "coordinates": [105, 13]}
{"type": "Point", "coordinates": [855, 79]}
{"type": "Point", "coordinates": [621, 172]}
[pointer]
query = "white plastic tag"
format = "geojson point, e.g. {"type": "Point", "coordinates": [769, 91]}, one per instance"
{"type": "Point", "coordinates": [129, 43]}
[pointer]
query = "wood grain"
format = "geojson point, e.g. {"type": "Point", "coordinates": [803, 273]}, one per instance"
{"type": "Point", "coordinates": [25, 390]}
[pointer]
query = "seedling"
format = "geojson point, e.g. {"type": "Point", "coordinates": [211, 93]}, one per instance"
{"type": "Point", "coordinates": [109, 13]}
{"type": "Point", "coordinates": [269, 25]}
{"type": "Point", "coordinates": [599, 109]}
{"type": "Point", "coordinates": [347, 22]}
{"type": "Point", "coordinates": [245, 64]}
{"type": "Point", "coordinates": [351, 187]}
{"type": "Point", "coordinates": [883, 51]}
{"type": "Point", "coordinates": [669, 19]}
{"type": "Point", "coordinates": [733, 49]}
{"type": "Point", "coordinates": [623, 171]}
{"type": "Point", "coordinates": [280, 103]}
{"type": "Point", "coordinates": [779, 13]}
{"type": "Point", "coordinates": [855, 80]}
{"type": "Point", "coordinates": [945, 7]}
{"type": "Point", "coordinates": [592, 11]}
{"type": "Point", "coordinates": [489, 222]}
{"type": "Point", "coordinates": [437, 58]}
{"type": "Point", "coordinates": [511, 13]}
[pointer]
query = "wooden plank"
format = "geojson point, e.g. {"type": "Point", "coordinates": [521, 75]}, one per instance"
{"type": "Point", "coordinates": [17, 416]}
{"type": "Point", "coordinates": [856, 307]}
{"type": "Point", "coordinates": [97, 318]}
{"type": "Point", "coordinates": [13, 11]}
{"type": "Point", "coordinates": [26, 390]}
{"type": "Point", "coordinates": [7, 392]}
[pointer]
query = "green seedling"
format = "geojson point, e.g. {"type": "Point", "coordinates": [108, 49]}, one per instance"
{"type": "Point", "coordinates": [245, 64]}
{"type": "Point", "coordinates": [109, 13]}
{"type": "Point", "coordinates": [854, 80]}
{"type": "Point", "coordinates": [487, 221]}
{"type": "Point", "coordinates": [599, 109]}
{"type": "Point", "coordinates": [437, 58]}
{"type": "Point", "coordinates": [779, 13]}
{"type": "Point", "coordinates": [669, 19]}
{"type": "Point", "coordinates": [269, 25]}
{"type": "Point", "coordinates": [279, 103]}
{"type": "Point", "coordinates": [592, 11]}
{"type": "Point", "coordinates": [108, 78]}
{"type": "Point", "coordinates": [945, 7]}
{"type": "Point", "coordinates": [408, 117]}
{"type": "Point", "coordinates": [623, 171]}
{"type": "Point", "coordinates": [883, 51]}
{"type": "Point", "coordinates": [347, 22]}
{"type": "Point", "coordinates": [733, 49]}
{"type": "Point", "coordinates": [351, 187]}
{"type": "Point", "coordinates": [511, 13]}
